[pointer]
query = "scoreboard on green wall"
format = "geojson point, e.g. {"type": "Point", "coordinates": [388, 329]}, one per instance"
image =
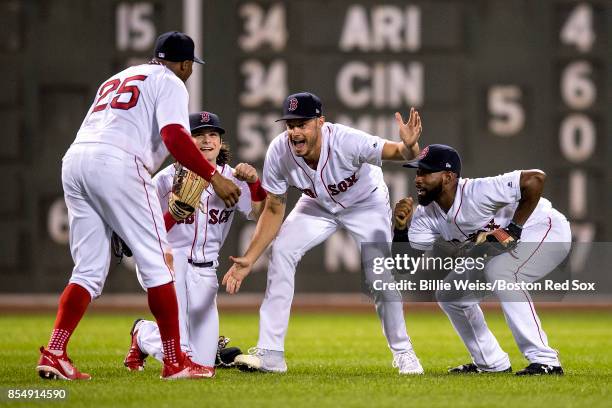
{"type": "Point", "coordinates": [511, 84]}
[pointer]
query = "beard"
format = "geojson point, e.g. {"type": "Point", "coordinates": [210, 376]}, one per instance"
{"type": "Point", "coordinates": [430, 196]}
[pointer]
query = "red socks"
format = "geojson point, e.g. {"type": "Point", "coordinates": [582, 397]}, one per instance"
{"type": "Point", "coordinates": [72, 306]}
{"type": "Point", "coordinates": [162, 302]}
{"type": "Point", "coordinates": [164, 306]}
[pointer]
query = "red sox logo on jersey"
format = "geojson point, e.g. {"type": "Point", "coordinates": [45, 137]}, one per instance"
{"type": "Point", "coordinates": [205, 117]}
{"type": "Point", "coordinates": [492, 225]}
{"type": "Point", "coordinates": [188, 220]}
{"type": "Point", "coordinates": [341, 187]}
{"type": "Point", "coordinates": [293, 104]}
{"type": "Point", "coordinates": [308, 192]}
{"type": "Point", "coordinates": [216, 216]}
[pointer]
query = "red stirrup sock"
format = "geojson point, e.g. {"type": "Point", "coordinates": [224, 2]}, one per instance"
{"type": "Point", "coordinates": [72, 306]}
{"type": "Point", "coordinates": [164, 306]}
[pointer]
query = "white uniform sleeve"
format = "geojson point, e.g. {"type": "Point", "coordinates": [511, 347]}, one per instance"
{"type": "Point", "coordinates": [421, 235]}
{"type": "Point", "coordinates": [172, 102]}
{"type": "Point", "coordinates": [244, 203]}
{"type": "Point", "coordinates": [273, 179]}
{"type": "Point", "coordinates": [499, 191]}
{"type": "Point", "coordinates": [366, 148]}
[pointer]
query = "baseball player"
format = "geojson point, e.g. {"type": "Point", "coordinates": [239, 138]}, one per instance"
{"type": "Point", "coordinates": [506, 211]}
{"type": "Point", "coordinates": [337, 168]}
{"type": "Point", "coordinates": [137, 117]}
{"type": "Point", "coordinates": [196, 242]}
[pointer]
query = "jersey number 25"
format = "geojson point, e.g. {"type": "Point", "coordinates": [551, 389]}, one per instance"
{"type": "Point", "coordinates": [124, 88]}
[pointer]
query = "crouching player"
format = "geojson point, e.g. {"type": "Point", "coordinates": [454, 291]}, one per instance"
{"type": "Point", "coordinates": [196, 242]}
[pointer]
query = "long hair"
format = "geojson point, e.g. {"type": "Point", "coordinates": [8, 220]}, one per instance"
{"type": "Point", "coordinates": [224, 154]}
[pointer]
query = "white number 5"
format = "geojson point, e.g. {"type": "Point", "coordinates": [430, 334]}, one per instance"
{"type": "Point", "coordinates": [507, 114]}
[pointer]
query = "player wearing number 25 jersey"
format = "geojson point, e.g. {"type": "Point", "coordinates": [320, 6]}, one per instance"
{"type": "Point", "coordinates": [137, 117]}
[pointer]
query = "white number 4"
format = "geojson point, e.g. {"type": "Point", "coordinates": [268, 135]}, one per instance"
{"type": "Point", "coordinates": [578, 28]}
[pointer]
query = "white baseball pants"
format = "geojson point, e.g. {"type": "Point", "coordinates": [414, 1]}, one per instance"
{"type": "Point", "coordinates": [196, 291]}
{"type": "Point", "coordinates": [307, 226]}
{"type": "Point", "coordinates": [532, 262]}
{"type": "Point", "coordinates": [108, 189]}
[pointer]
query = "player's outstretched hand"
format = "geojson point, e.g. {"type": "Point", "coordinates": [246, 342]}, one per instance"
{"type": "Point", "coordinates": [234, 277]}
{"type": "Point", "coordinates": [246, 172]}
{"type": "Point", "coordinates": [409, 131]}
{"type": "Point", "coordinates": [225, 189]}
{"type": "Point", "coordinates": [403, 213]}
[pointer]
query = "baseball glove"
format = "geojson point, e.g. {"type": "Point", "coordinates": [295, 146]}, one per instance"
{"type": "Point", "coordinates": [226, 355]}
{"type": "Point", "coordinates": [492, 243]}
{"type": "Point", "coordinates": [119, 247]}
{"type": "Point", "coordinates": [187, 188]}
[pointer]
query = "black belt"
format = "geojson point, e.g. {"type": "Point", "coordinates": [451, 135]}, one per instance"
{"type": "Point", "coordinates": [201, 264]}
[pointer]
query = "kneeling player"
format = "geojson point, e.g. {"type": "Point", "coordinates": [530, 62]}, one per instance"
{"type": "Point", "coordinates": [196, 241]}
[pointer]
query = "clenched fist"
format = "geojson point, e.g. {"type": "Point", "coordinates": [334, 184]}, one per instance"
{"type": "Point", "coordinates": [225, 189]}
{"type": "Point", "coordinates": [403, 213]}
{"type": "Point", "coordinates": [245, 172]}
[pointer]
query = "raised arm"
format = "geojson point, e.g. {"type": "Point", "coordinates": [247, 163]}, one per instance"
{"type": "Point", "coordinates": [267, 228]}
{"type": "Point", "coordinates": [408, 147]}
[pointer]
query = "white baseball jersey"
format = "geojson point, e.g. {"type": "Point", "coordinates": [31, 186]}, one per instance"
{"type": "Point", "coordinates": [346, 191]}
{"type": "Point", "coordinates": [484, 204]}
{"type": "Point", "coordinates": [205, 231]}
{"type": "Point", "coordinates": [480, 204]}
{"type": "Point", "coordinates": [131, 108]}
{"type": "Point", "coordinates": [348, 170]}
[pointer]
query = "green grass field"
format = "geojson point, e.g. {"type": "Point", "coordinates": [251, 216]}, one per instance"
{"type": "Point", "coordinates": [334, 360]}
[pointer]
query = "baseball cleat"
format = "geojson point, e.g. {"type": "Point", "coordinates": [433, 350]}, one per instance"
{"type": "Point", "coordinates": [53, 367]}
{"type": "Point", "coordinates": [541, 369]}
{"type": "Point", "coordinates": [258, 359]}
{"type": "Point", "coordinates": [472, 368]}
{"type": "Point", "coordinates": [407, 363]}
{"type": "Point", "coordinates": [186, 369]}
{"type": "Point", "coordinates": [135, 358]}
